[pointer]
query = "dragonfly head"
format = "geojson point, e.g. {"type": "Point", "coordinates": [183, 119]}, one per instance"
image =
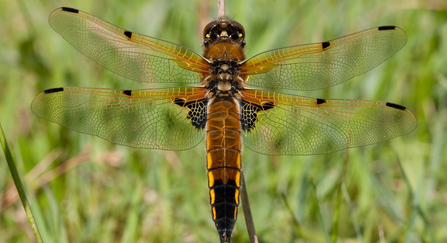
{"type": "Point", "coordinates": [224, 30]}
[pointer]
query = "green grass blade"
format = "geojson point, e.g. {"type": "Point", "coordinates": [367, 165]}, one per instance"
{"type": "Point", "coordinates": [295, 220]}
{"type": "Point", "coordinates": [351, 210]}
{"type": "Point", "coordinates": [247, 212]}
{"type": "Point", "coordinates": [131, 226]}
{"type": "Point", "coordinates": [320, 212]}
{"type": "Point", "coordinates": [415, 209]}
{"type": "Point", "coordinates": [339, 197]}
{"type": "Point", "coordinates": [18, 183]}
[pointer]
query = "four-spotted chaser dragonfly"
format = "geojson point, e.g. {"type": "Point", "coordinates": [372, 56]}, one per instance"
{"type": "Point", "coordinates": [223, 108]}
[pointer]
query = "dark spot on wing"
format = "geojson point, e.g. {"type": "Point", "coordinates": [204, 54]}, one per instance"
{"type": "Point", "coordinates": [197, 111]}
{"type": "Point", "coordinates": [268, 106]}
{"type": "Point", "coordinates": [325, 44]}
{"type": "Point", "coordinates": [71, 10]}
{"type": "Point", "coordinates": [387, 27]}
{"type": "Point", "coordinates": [127, 92]}
{"type": "Point", "coordinates": [395, 106]}
{"type": "Point", "coordinates": [249, 113]}
{"type": "Point", "coordinates": [128, 34]}
{"type": "Point", "coordinates": [179, 102]}
{"type": "Point", "coordinates": [53, 90]}
{"type": "Point", "coordinates": [321, 101]}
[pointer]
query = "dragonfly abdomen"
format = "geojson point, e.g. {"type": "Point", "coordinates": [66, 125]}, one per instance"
{"type": "Point", "coordinates": [223, 144]}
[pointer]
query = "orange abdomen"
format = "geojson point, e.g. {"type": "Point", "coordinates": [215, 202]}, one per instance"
{"type": "Point", "coordinates": [223, 145]}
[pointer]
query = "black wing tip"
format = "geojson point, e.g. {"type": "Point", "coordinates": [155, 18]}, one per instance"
{"type": "Point", "coordinates": [71, 10]}
{"type": "Point", "coordinates": [387, 27]}
{"type": "Point", "coordinates": [325, 44]}
{"type": "Point", "coordinates": [128, 34]}
{"type": "Point", "coordinates": [395, 106]}
{"type": "Point", "coordinates": [53, 90]}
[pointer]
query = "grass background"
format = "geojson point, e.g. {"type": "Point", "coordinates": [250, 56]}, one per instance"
{"type": "Point", "coordinates": [84, 189]}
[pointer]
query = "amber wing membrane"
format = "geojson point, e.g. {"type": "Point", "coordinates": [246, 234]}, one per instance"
{"type": "Point", "coordinates": [321, 65]}
{"type": "Point", "coordinates": [131, 55]}
{"type": "Point", "coordinates": [135, 118]}
{"type": "Point", "coordinates": [296, 125]}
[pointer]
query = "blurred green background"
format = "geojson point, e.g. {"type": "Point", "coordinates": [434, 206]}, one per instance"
{"type": "Point", "coordinates": [84, 189]}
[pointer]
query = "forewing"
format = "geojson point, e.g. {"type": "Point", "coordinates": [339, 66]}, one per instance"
{"type": "Point", "coordinates": [321, 65]}
{"type": "Point", "coordinates": [131, 55]}
{"type": "Point", "coordinates": [280, 124]}
{"type": "Point", "coordinates": [155, 118]}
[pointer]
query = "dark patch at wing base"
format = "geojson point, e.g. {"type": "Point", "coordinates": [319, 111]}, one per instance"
{"type": "Point", "coordinates": [396, 106]}
{"type": "Point", "coordinates": [71, 10]}
{"type": "Point", "coordinates": [53, 90]}
{"type": "Point", "coordinates": [249, 114]}
{"type": "Point", "coordinates": [325, 45]}
{"type": "Point", "coordinates": [179, 102]}
{"type": "Point", "coordinates": [197, 111]}
{"type": "Point", "coordinates": [388, 27]}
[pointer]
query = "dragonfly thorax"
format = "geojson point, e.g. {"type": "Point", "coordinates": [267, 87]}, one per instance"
{"type": "Point", "coordinates": [223, 78]}
{"type": "Point", "coordinates": [224, 86]}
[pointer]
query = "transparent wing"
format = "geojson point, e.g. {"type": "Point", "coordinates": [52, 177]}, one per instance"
{"type": "Point", "coordinates": [131, 55]}
{"type": "Point", "coordinates": [155, 118]}
{"type": "Point", "coordinates": [281, 124]}
{"type": "Point", "coordinates": [321, 65]}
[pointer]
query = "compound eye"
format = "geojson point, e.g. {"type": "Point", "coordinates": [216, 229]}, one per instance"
{"type": "Point", "coordinates": [237, 35]}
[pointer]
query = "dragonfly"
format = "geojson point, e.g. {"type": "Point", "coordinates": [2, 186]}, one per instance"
{"type": "Point", "coordinates": [215, 97]}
